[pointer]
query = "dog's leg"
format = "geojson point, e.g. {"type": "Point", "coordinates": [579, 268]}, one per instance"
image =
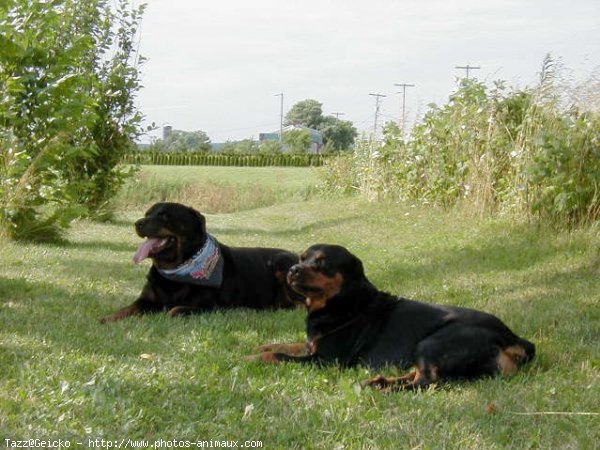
{"type": "Point", "coordinates": [274, 358]}
{"type": "Point", "coordinates": [424, 376]}
{"type": "Point", "coordinates": [184, 311]}
{"type": "Point", "coordinates": [128, 311]}
{"type": "Point", "coordinates": [146, 303]}
{"type": "Point", "coordinates": [296, 349]}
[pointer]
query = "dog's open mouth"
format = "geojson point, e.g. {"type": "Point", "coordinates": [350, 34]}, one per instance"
{"type": "Point", "coordinates": [304, 289]}
{"type": "Point", "coordinates": [152, 246]}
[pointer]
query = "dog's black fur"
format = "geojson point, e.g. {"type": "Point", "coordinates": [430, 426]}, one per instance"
{"type": "Point", "coordinates": [252, 277]}
{"type": "Point", "coordinates": [351, 322]}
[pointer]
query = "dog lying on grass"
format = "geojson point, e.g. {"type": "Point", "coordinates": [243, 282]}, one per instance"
{"type": "Point", "coordinates": [351, 322]}
{"type": "Point", "coordinates": [192, 272]}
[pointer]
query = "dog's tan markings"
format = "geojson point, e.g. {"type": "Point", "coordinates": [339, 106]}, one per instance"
{"type": "Point", "coordinates": [508, 359]}
{"type": "Point", "coordinates": [296, 349]}
{"type": "Point", "coordinates": [268, 357]}
{"type": "Point", "coordinates": [165, 232]}
{"type": "Point", "coordinates": [319, 255]}
{"type": "Point", "coordinates": [328, 287]}
{"type": "Point", "coordinates": [311, 346]}
{"type": "Point", "coordinates": [122, 314]}
{"type": "Point", "coordinates": [421, 377]}
{"type": "Point", "coordinates": [434, 373]}
{"type": "Point", "coordinates": [180, 310]}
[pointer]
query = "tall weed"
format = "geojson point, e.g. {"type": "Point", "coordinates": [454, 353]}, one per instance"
{"type": "Point", "coordinates": [529, 152]}
{"type": "Point", "coordinates": [208, 196]}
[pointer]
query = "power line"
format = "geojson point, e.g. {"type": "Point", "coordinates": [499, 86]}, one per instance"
{"type": "Point", "coordinates": [378, 97]}
{"type": "Point", "coordinates": [467, 68]}
{"type": "Point", "coordinates": [337, 114]}
{"type": "Point", "coordinates": [403, 86]}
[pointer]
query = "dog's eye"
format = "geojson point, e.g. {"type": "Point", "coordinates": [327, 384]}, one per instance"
{"type": "Point", "coordinates": [163, 216]}
{"type": "Point", "coordinates": [321, 263]}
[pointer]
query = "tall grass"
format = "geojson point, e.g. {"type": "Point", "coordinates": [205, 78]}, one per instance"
{"type": "Point", "coordinates": [490, 150]}
{"type": "Point", "coordinates": [216, 190]}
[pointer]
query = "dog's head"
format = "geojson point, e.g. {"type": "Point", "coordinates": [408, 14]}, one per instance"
{"type": "Point", "coordinates": [173, 233]}
{"type": "Point", "coordinates": [323, 272]}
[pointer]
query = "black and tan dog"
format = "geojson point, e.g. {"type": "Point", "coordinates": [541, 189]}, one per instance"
{"type": "Point", "coordinates": [192, 272]}
{"type": "Point", "coordinates": [350, 322]}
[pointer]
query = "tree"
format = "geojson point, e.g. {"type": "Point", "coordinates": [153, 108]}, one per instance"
{"type": "Point", "coordinates": [243, 147]}
{"type": "Point", "coordinates": [337, 134]}
{"type": "Point", "coordinates": [297, 140]}
{"type": "Point", "coordinates": [306, 113]}
{"type": "Point", "coordinates": [186, 141]}
{"type": "Point", "coordinates": [246, 147]}
{"type": "Point", "coordinates": [115, 83]}
{"type": "Point", "coordinates": [68, 79]}
{"type": "Point", "coordinates": [270, 148]}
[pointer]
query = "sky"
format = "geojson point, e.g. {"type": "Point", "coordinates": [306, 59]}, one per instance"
{"type": "Point", "coordinates": [217, 66]}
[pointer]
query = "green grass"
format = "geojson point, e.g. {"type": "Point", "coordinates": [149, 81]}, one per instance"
{"type": "Point", "coordinates": [63, 375]}
{"type": "Point", "coordinates": [217, 189]}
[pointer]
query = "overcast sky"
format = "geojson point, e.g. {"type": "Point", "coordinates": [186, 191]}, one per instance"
{"type": "Point", "coordinates": [216, 66]}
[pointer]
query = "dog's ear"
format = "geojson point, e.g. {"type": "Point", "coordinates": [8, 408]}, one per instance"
{"type": "Point", "coordinates": [201, 220]}
{"type": "Point", "coordinates": [355, 268]}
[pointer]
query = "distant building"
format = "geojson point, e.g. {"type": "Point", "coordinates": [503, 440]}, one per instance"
{"type": "Point", "coordinates": [166, 131]}
{"type": "Point", "coordinates": [315, 136]}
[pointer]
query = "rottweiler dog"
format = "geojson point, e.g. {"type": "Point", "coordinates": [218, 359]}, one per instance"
{"type": "Point", "coordinates": [350, 322]}
{"type": "Point", "coordinates": [192, 272]}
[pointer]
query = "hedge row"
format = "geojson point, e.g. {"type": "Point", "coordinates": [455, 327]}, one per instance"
{"type": "Point", "coordinates": [218, 159]}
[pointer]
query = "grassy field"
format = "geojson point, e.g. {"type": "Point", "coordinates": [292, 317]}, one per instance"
{"type": "Point", "coordinates": [65, 376]}
{"type": "Point", "coordinates": [218, 189]}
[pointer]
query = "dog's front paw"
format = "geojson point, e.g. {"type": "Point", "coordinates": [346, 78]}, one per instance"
{"type": "Point", "coordinates": [378, 382]}
{"type": "Point", "coordinates": [268, 357]}
{"type": "Point", "coordinates": [268, 347]}
{"type": "Point", "coordinates": [295, 349]}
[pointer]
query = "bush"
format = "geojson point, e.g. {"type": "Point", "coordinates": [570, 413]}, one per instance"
{"type": "Point", "coordinates": [66, 110]}
{"type": "Point", "coordinates": [220, 159]}
{"type": "Point", "coordinates": [490, 151]}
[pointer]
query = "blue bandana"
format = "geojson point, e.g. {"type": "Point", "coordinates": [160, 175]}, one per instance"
{"type": "Point", "coordinates": [205, 268]}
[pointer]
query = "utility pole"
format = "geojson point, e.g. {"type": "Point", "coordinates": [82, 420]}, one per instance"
{"type": "Point", "coordinates": [337, 114]}
{"type": "Point", "coordinates": [403, 86]}
{"type": "Point", "coordinates": [467, 68]}
{"type": "Point", "coordinates": [377, 99]}
{"type": "Point", "coordinates": [280, 117]}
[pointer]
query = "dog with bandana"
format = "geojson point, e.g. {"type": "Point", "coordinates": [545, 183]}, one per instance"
{"type": "Point", "coordinates": [193, 272]}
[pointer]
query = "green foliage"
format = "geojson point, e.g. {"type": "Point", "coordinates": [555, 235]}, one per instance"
{"type": "Point", "coordinates": [306, 113]}
{"type": "Point", "coordinates": [564, 173]}
{"type": "Point", "coordinates": [297, 140]}
{"type": "Point", "coordinates": [216, 190]}
{"type": "Point", "coordinates": [184, 141]}
{"type": "Point", "coordinates": [490, 150]}
{"type": "Point", "coordinates": [223, 159]}
{"type": "Point", "coordinates": [270, 148]}
{"type": "Point", "coordinates": [338, 135]}
{"type": "Point", "coordinates": [66, 113]}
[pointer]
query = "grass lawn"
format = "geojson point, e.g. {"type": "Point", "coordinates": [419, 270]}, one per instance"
{"type": "Point", "coordinates": [65, 376]}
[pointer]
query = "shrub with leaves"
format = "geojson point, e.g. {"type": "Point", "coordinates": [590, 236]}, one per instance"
{"type": "Point", "coordinates": [491, 150]}
{"type": "Point", "coordinates": [66, 113]}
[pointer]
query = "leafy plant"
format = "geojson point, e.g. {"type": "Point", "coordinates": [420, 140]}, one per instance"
{"type": "Point", "coordinates": [298, 140]}
{"type": "Point", "coordinates": [489, 150]}
{"type": "Point", "coordinates": [66, 114]}
{"type": "Point", "coordinates": [223, 159]}
{"type": "Point", "coordinates": [338, 135]}
{"type": "Point", "coordinates": [184, 141]}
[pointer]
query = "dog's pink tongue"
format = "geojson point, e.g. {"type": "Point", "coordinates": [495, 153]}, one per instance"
{"type": "Point", "coordinates": [145, 249]}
